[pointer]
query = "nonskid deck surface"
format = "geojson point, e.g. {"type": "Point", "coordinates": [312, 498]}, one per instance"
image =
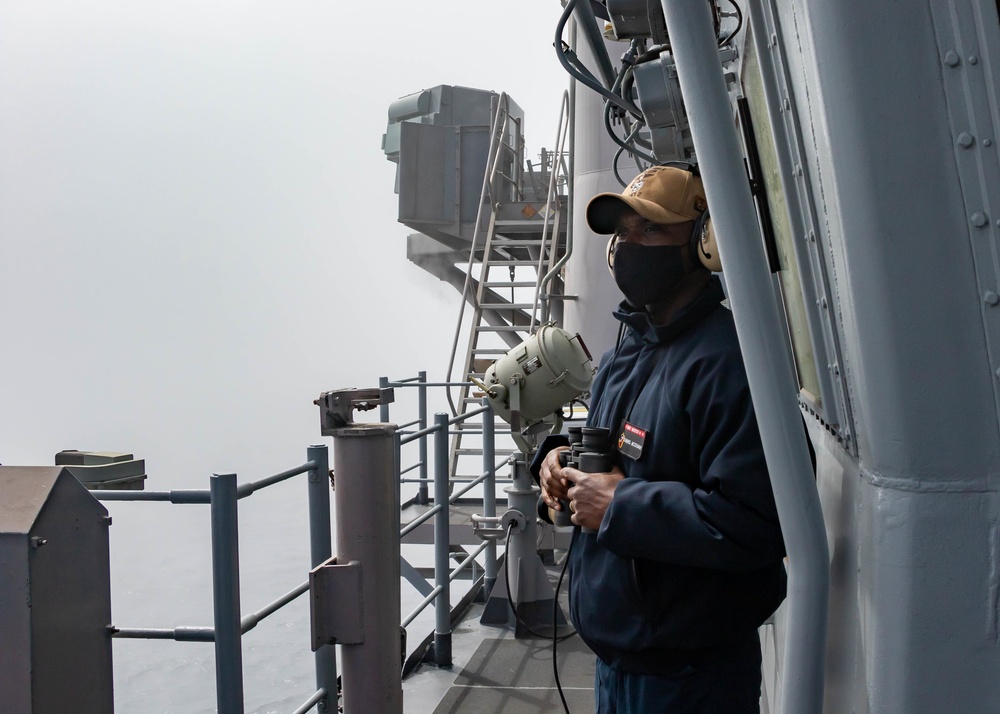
{"type": "Point", "coordinates": [493, 672]}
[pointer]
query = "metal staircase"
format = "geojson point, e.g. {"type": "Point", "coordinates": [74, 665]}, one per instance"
{"type": "Point", "coordinates": [513, 281]}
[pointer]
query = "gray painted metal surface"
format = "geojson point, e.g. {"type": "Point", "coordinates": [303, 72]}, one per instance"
{"type": "Point", "coordinates": [367, 527]}
{"type": "Point", "coordinates": [903, 116]}
{"type": "Point", "coordinates": [55, 595]}
{"type": "Point", "coordinates": [587, 275]}
{"type": "Point", "coordinates": [762, 338]}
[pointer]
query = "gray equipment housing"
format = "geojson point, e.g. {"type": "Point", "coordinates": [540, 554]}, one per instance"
{"type": "Point", "coordinates": [436, 137]}
{"type": "Point", "coordinates": [55, 594]}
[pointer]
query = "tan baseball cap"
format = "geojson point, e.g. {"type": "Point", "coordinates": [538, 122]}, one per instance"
{"type": "Point", "coordinates": [662, 194]}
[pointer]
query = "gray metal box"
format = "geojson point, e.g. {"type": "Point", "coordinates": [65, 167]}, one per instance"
{"type": "Point", "coordinates": [55, 595]}
{"type": "Point", "coordinates": [440, 140]}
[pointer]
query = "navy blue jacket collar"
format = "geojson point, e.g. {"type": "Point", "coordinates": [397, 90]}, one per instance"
{"type": "Point", "coordinates": [691, 314]}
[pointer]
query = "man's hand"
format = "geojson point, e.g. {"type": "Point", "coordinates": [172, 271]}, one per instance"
{"type": "Point", "coordinates": [591, 495]}
{"type": "Point", "coordinates": [551, 478]}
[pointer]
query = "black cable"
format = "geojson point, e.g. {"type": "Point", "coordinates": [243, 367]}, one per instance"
{"type": "Point", "coordinates": [588, 79]}
{"type": "Point", "coordinates": [629, 148]}
{"type": "Point", "coordinates": [555, 610]}
{"type": "Point", "coordinates": [510, 596]}
{"type": "Point", "coordinates": [614, 167]}
{"type": "Point", "coordinates": [739, 24]}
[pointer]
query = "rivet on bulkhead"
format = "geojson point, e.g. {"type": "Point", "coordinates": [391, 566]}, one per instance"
{"type": "Point", "coordinates": [952, 59]}
{"type": "Point", "coordinates": [965, 140]}
{"type": "Point", "coordinates": [997, 372]}
{"type": "Point", "coordinates": [987, 142]}
{"type": "Point", "coordinates": [991, 298]}
{"type": "Point", "coordinates": [973, 59]}
{"type": "Point", "coordinates": [979, 219]}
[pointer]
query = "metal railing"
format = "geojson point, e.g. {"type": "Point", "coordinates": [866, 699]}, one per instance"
{"type": "Point", "coordinates": [229, 625]}
{"type": "Point", "coordinates": [224, 493]}
{"type": "Point", "coordinates": [448, 489]}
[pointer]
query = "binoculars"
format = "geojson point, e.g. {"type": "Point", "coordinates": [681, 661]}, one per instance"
{"type": "Point", "coordinates": [589, 451]}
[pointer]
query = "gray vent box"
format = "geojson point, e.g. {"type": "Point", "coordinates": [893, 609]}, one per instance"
{"type": "Point", "coordinates": [439, 139]}
{"type": "Point", "coordinates": [55, 595]}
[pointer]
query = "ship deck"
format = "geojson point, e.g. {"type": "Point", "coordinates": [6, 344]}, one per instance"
{"type": "Point", "coordinates": [494, 672]}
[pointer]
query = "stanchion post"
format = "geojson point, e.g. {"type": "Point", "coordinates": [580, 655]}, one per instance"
{"type": "Point", "coordinates": [442, 547]}
{"type": "Point", "coordinates": [422, 497]}
{"type": "Point", "coordinates": [489, 494]}
{"type": "Point", "coordinates": [321, 550]}
{"type": "Point", "coordinates": [226, 594]}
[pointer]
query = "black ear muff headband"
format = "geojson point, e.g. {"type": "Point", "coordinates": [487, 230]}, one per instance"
{"type": "Point", "coordinates": [703, 243]}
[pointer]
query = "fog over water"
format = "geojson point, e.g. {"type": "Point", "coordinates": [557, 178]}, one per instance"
{"type": "Point", "coordinates": [197, 237]}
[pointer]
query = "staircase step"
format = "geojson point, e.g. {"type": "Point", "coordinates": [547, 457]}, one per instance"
{"type": "Point", "coordinates": [522, 284]}
{"type": "Point", "coordinates": [503, 328]}
{"type": "Point", "coordinates": [506, 305]}
{"type": "Point", "coordinates": [505, 263]}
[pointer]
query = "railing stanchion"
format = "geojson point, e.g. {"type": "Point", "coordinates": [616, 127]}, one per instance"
{"type": "Point", "coordinates": [422, 497]}
{"type": "Point", "coordinates": [226, 594]}
{"type": "Point", "coordinates": [321, 550]}
{"type": "Point", "coordinates": [489, 495]}
{"type": "Point", "coordinates": [383, 408]}
{"type": "Point", "coordinates": [442, 546]}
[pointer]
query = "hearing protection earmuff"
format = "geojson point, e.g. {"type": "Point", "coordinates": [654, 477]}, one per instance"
{"type": "Point", "coordinates": [702, 245]}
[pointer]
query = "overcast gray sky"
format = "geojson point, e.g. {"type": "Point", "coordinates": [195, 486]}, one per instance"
{"type": "Point", "coordinates": [197, 223]}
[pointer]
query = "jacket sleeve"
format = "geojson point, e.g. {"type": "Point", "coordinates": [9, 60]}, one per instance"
{"type": "Point", "coordinates": [548, 443]}
{"type": "Point", "coordinates": [724, 516]}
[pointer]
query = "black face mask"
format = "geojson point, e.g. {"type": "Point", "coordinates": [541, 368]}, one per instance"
{"type": "Point", "coordinates": [647, 274]}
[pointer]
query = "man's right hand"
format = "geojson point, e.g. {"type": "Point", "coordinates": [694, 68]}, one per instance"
{"type": "Point", "coordinates": [554, 484]}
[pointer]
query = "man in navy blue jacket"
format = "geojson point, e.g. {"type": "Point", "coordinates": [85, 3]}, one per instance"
{"type": "Point", "coordinates": [686, 559]}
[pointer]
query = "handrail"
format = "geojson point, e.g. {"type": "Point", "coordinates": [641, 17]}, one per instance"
{"type": "Point", "coordinates": [500, 122]}
{"type": "Point", "coordinates": [229, 626]}
{"type": "Point", "coordinates": [541, 282]}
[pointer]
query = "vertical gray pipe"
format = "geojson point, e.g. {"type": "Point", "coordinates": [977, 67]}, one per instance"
{"type": "Point", "coordinates": [367, 527]}
{"type": "Point", "coordinates": [226, 594]}
{"type": "Point", "coordinates": [383, 416]}
{"type": "Point", "coordinates": [320, 551]}
{"type": "Point", "coordinates": [383, 407]}
{"type": "Point", "coordinates": [763, 339]}
{"type": "Point", "coordinates": [442, 603]}
{"type": "Point", "coordinates": [422, 442]}
{"type": "Point", "coordinates": [489, 494]}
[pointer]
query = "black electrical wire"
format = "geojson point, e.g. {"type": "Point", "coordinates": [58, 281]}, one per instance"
{"type": "Point", "coordinates": [614, 167]}
{"type": "Point", "coordinates": [580, 73]}
{"type": "Point", "coordinates": [633, 151]}
{"type": "Point", "coordinates": [739, 24]}
{"type": "Point", "coordinates": [555, 610]}
{"type": "Point", "coordinates": [513, 605]}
